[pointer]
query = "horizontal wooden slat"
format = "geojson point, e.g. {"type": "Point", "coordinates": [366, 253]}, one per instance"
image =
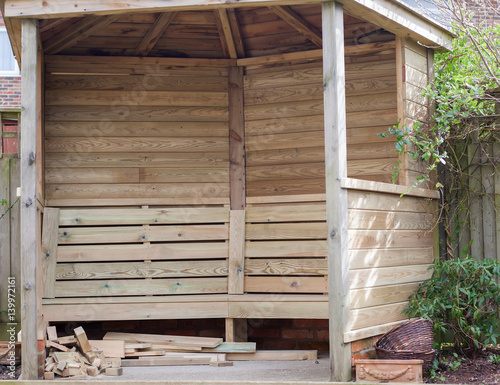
{"type": "Point", "coordinates": [372, 258]}
{"type": "Point", "coordinates": [154, 251]}
{"type": "Point", "coordinates": [55, 192]}
{"type": "Point", "coordinates": [376, 315]}
{"type": "Point", "coordinates": [285, 156]}
{"type": "Point", "coordinates": [284, 110]}
{"type": "Point", "coordinates": [285, 249]}
{"type": "Point", "coordinates": [362, 239]}
{"type": "Point", "coordinates": [371, 331]}
{"type": "Point", "coordinates": [312, 73]}
{"type": "Point", "coordinates": [92, 175]}
{"type": "Point", "coordinates": [416, 60]}
{"type": "Point", "coordinates": [383, 295]}
{"type": "Point", "coordinates": [145, 159]}
{"type": "Point", "coordinates": [284, 125]}
{"type": "Point", "coordinates": [264, 200]}
{"type": "Point", "coordinates": [293, 266]}
{"type": "Point", "coordinates": [387, 118]}
{"type": "Point", "coordinates": [98, 288]}
{"type": "Point", "coordinates": [136, 311]}
{"type": "Point", "coordinates": [113, 99]}
{"type": "Point", "coordinates": [286, 187]}
{"type": "Point", "coordinates": [130, 216]}
{"type": "Point", "coordinates": [280, 310]}
{"type": "Point", "coordinates": [387, 202]}
{"type": "Point", "coordinates": [286, 213]}
{"type": "Point", "coordinates": [385, 220]}
{"type": "Point", "coordinates": [291, 93]}
{"type": "Point", "coordinates": [291, 171]}
{"type": "Point", "coordinates": [273, 231]}
{"type": "Point", "coordinates": [388, 275]}
{"type": "Point", "coordinates": [124, 270]}
{"type": "Point", "coordinates": [174, 175]}
{"type": "Point", "coordinates": [286, 284]}
{"type": "Point", "coordinates": [130, 234]}
{"type": "Point", "coordinates": [142, 145]}
{"type": "Point", "coordinates": [136, 201]}
{"type": "Point", "coordinates": [135, 114]}
{"type": "Point", "coordinates": [399, 190]}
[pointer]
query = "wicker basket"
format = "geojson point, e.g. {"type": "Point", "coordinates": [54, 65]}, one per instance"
{"type": "Point", "coordinates": [408, 341]}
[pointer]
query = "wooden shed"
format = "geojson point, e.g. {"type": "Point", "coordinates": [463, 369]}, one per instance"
{"type": "Point", "coordinates": [220, 159]}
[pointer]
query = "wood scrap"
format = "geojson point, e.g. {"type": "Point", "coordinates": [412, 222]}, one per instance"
{"type": "Point", "coordinates": [146, 353]}
{"type": "Point", "coordinates": [48, 376]}
{"type": "Point", "coordinates": [221, 363]}
{"type": "Point", "coordinates": [67, 340]}
{"type": "Point", "coordinates": [92, 371]}
{"type": "Point", "coordinates": [52, 333]}
{"type": "Point", "coordinates": [82, 339]}
{"type": "Point", "coordinates": [52, 344]}
{"type": "Point", "coordinates": [167, 361]}
{"type": "Point", "coordinates": [114, 371]}
{"type": "Point", "coordinates": [183, 341]}
{"type": "Point", "coordinates": [110, 348]}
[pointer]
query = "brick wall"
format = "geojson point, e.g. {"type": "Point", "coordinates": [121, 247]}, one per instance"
{"type": "Point", "coordinates": [483, 11]}
{"type": "Point", "coordinates": [10, 92]}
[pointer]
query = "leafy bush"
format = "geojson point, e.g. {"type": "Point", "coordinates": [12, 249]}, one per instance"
{"type": "Point", "coordinates": [461, 298]}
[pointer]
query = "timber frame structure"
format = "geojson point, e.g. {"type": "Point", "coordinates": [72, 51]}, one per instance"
{"type": "Point", "coordinates": [193, 159]}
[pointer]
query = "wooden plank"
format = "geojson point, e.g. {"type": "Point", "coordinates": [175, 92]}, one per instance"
{"type": "Point", "coordinates": [384, 220]}
{"type": "Point", "coordinates": [284, 249]}
{"type": "Point", "coordinates": [5, 241]}
{"type": "Point", "coordinates": [135, 252]}
{"type": "Point", "coordinates": [388, 202]}
{"type": "Point", "coordinates": [83, 341]}
{"type": "Point", "coordinates": [388, 275]}
{"type": "Point", "coordinates": [293, 266]}
{"type": "Point", "coordinates": [236, 33]}
{"type": "Point", "coordinates": [475, 201]}
{"type": "Point", "coordinates": [275, 355]}
{"type": "Point", "coordinates": [299, 23]}
{"type": "Point", "coordinates": [488, 203]}
{"type": "Point", "coordinates": [236, 261]}
{"type": "Point", "coordinates": [236, 139]}
{"type": "Point", "coordinates": [377, 315]}
{"type": "Point", "coordinates": [52, 333]}
{"type": "Point", "coordinates": [285, 156]}
{"type": "Point", "coordinates": [496, 152]}
{"type": "Point", "coordinates": [284, 141]}
{"type": "Point", "coordinates": [201, 342]}
{"type": "Point", "coordinates": [174, 175]}
{"type": "Point", "coordinates": [138, 201]}
{"type": "Point", "coordinates": [28, 208]}
{"type": "Point", "coordinates": [151, 216]}
{"type": "Point", "coordinates": [354, 184]}
{"type": "Point", "coordinates": [373, 258]}
{"type": "Point", "coordinates": [232, 347]}
{"type": "Point", "coordinates": [155, 32]}
{"type": "Point", "coordinates": [372, 331]}
{"type": "Point", "coordinates": [92, 175]}
{"type": "Point", "coordinates": [286, 213]}
{"type": "Point", "coordinates": [274, 231]}
{"type": "Point", "coordinates": [131, 234]}
{"type": "Point", "coordinates": [123, 270]}
{"type": "Point", "coordinates": [166, 361]}
{"type": "Point", "coordinates": [290, 93]}
{"type": "Point", "coordinates": [100, 288]}
{"type": "Point", "coordinates": [383, 295]}
{"type": "Point", "coordinates": [49, 250]}
{"type": "Point", "coordinates": [276, 309]}
{"type": "Point", "coordinates": [188, 299]}
{"type": "Point", "coordinates": [360, 239]}
{"type": "Point", "coordinates": [286, 284]}
{"type": "Point", "coordinates": [284, 110]}
{"type": "Point", "coordinates": [284, 125]}
{"type": "Point", "coordinates": [290, 171]}
{"type": "Point", "coordinates": [114, 349]}
{"type": "Point", "coordinates": [140, 311]}
{"type": "Point", "coordinates": [225, 32]}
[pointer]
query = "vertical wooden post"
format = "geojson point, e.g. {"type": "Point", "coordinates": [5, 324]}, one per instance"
{"type": "Point", "coordinates": [5, 252]}
{"type": "Point", "coordinates": [475, 201]}
{"type": "Point", "coordinates": [488, 203]}
{"type": "Point", "coordinates": [496, 153]}
{"type": "Point", "coordinates": [401, 104]}
{"type": "Point", "coordinates": [336, 196]}
{"type": "Point", "coordinates": [29, 260]}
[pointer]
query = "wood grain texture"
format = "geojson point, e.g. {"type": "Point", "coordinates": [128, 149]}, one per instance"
{"type": "Point", "coordinates": [377, 315]}
{"type": "Point", "coordinates": [49, 250]}
{"type": "Point", "coordinates": [309, 266]}
{"type": "Point", "coordinates": [286, 284]}
{"type": "Point", "coordinates": [267, 249]}
{"type": "Point", "coordinates": [372, 258]}
{"type": "Point", "coordinates": [285, 231]}
{"type": "Point", "coordinates": [286, 213]}
{"type": "Point", "coordinates": [388, 275]}
{"type": "Point", "coordinates": [236, 261]}
{"type": "Point", "coordinates": [276, 309]}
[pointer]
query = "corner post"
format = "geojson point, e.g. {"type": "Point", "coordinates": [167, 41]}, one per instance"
{"type": "Point", "coordinates": [28, 210]}
{"type": "Point", "coordinates": [336, 196]}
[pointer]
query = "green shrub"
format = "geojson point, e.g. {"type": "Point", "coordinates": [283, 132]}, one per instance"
{"type": "Point", "coordinates": [461, 298]}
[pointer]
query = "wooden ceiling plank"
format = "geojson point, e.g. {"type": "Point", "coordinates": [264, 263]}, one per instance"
{"type": "Point", "coordinates": [299, 23]}
{"type": "Point", "coordinates": [47, 24]}
{"type": "Point", "coordinates": [154, 34]}
{"type": "Point", "coordinates": [235, 28]}
{"type": "Point", "coordinates": [78, 32]}
{"type": "Point", "coordinates": [225, 33]}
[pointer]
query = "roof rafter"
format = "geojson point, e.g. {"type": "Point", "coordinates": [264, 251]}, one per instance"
{"type": "Point", "coordinates": [155, 32]}
{"type": "Point", "coordinates": [235, 28]}
{"type": "Point", "coordinates": [299, 23]}
{"type": "Point", "coordinates": [77, 32]}
{"type": "Point", "coordinates": [225, 33]}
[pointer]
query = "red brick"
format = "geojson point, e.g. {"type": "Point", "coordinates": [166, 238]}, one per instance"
{"type": "Point", "coordinates": [182, 332]}
{"type": "Point", "coordinates": [120, 325]}
{"type": "Point", "coordinates": [355, 357]}
{"type": "Point", "coordinates": [313, 345]}
{"type": "Point", "coordinates": [297, 334]}
{"type": "Point", "coordinates": [311, 323]}
{"type": "Point", "coordinates": [217, 333]}
{"type": "Point", "coordinates": [264, 333]}
{"type": "Point", "coordinates": [357, 346]}
{"type": "Point", "coordinates": [159, 324]}
{"type": "Point", "coordinates": [278, 345]}
{"type": "Point", "coordinates": [322, 335]}
{"type": "Point", "coordinates": [196, 323]}
{"type": "Point", "coordinates": [40, 345]}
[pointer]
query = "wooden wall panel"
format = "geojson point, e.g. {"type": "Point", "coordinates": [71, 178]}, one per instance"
{"type": "Point", "coordinates": [139, 137]}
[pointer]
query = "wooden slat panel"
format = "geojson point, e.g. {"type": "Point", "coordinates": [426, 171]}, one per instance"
{"type": "Point", "coordinates": [237, 252]}
{"type": "Point", "coordinates": [49, 250]}
{"type": "Point", "coordinates": [387, 202]}
{"type": "Point", "coordinates": [129, 216]}
{"type": "Point", "coordinates": [285, 156]}
{"type": "Point", "coordinates": [155, 251]}
{"type": "Point", "coordinates": [383, 220]}
{"type": "Point", "coordinates": [286, 284]}
{"type": "Point", "coordinates": [130, 234]}
{"type": "Point", "coordinates": [135, 311]}
{"type": "Point", "coordinates": [149, 98]}
{"type": "Point", "coordinates": [285, 249]}
{"type": "Point", "coordinates": [144, 159]}
{"type": "Point", "coordinates": [370, 118]}
{"type": "Point", "coordinates": [416, 77]}
{"type": "Point", "coordinates": [142, 191]}
{"type": "Point", "coordinates": [136, 83]}
{"type": "Point", "coordinates": [361, 239]}
{"type": "Point", "coordinates": [123, 270]}
{"type": "Point", "coordinates": [382, 295]}
{"type": "Point", "coordinates": [368, 259]}
{"type": "Point", "coordinates": [284, 141]}
{"type": "Point", "coordinates": [291, 171]}
{"type": "Point", "coordinates": [284, 110]}
{"type": "Point", "coordinates": [286, 187]}
{"type": "Point", "coordinates": [416, 60]}
{"type": "Point", "coordinates": [116, 144]}
{"type": "Point", "coordinates": [388, 275]}
{"type": "Point", "coordinates": [308, 75]}
{"type": "Point", "coordinates": [286, 213]}
{"type": "Point", "coordinates": [286, 231]}
{"type": "Point", "coordinates": [136, 113]}
{"type": "Point", "coordinates": [92, 175]}
{"type": "Point", "coordinates": [310, 266]}
{"type": "Point", "coordinates": [284, 125]}
{"type": "Point", "coordinates": [174, 175]}
{"type": "Point", "coordinates": [286, 310]}
{"type": "Point", "coordinates": [371, 316]}
{"type": "Point", "coordinates": [98, 288]}
{"type": "Point", "coordinates": [291, 93]}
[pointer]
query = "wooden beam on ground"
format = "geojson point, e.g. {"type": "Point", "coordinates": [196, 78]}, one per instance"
{"type": "Point", "coordinates": [299, 23]}
{"type": "Point", "coordinates": [78, 32]}
{"type": "Point", "coordinates": [29, 219]}
{"type": "Point", "coordinates": [274, 355]}
{"type": "Point", "coordinates": [236, 139]}
{"type": "Point", "coordinates": [235, 28]}
{"type": "Point", "coordinates": [225, 33]}
{"type": "Point", "coordinates": [336, 196]}
{"type": "Point", "coordinates": [154, 33]}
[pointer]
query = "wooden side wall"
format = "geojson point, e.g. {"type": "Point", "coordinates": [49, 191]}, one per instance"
{"type": "Point", "coordinates": [135, 133]}
{"type": "Point", "coordinates": [284, 122]}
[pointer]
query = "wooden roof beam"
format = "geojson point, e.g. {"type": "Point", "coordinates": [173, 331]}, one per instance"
{"type": "Point", "coordinates": [47, 24]}
{"type": "Point", "coordinates": [155, 33]}
{"type": "Point", "coordinates": [225, 33]}
{"type": "Point", "coordinates": [235, 28]}
{"type": "Point", "coordinates": [78, 32]}
{"type": "Point", "coordinates": [299, 23]}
